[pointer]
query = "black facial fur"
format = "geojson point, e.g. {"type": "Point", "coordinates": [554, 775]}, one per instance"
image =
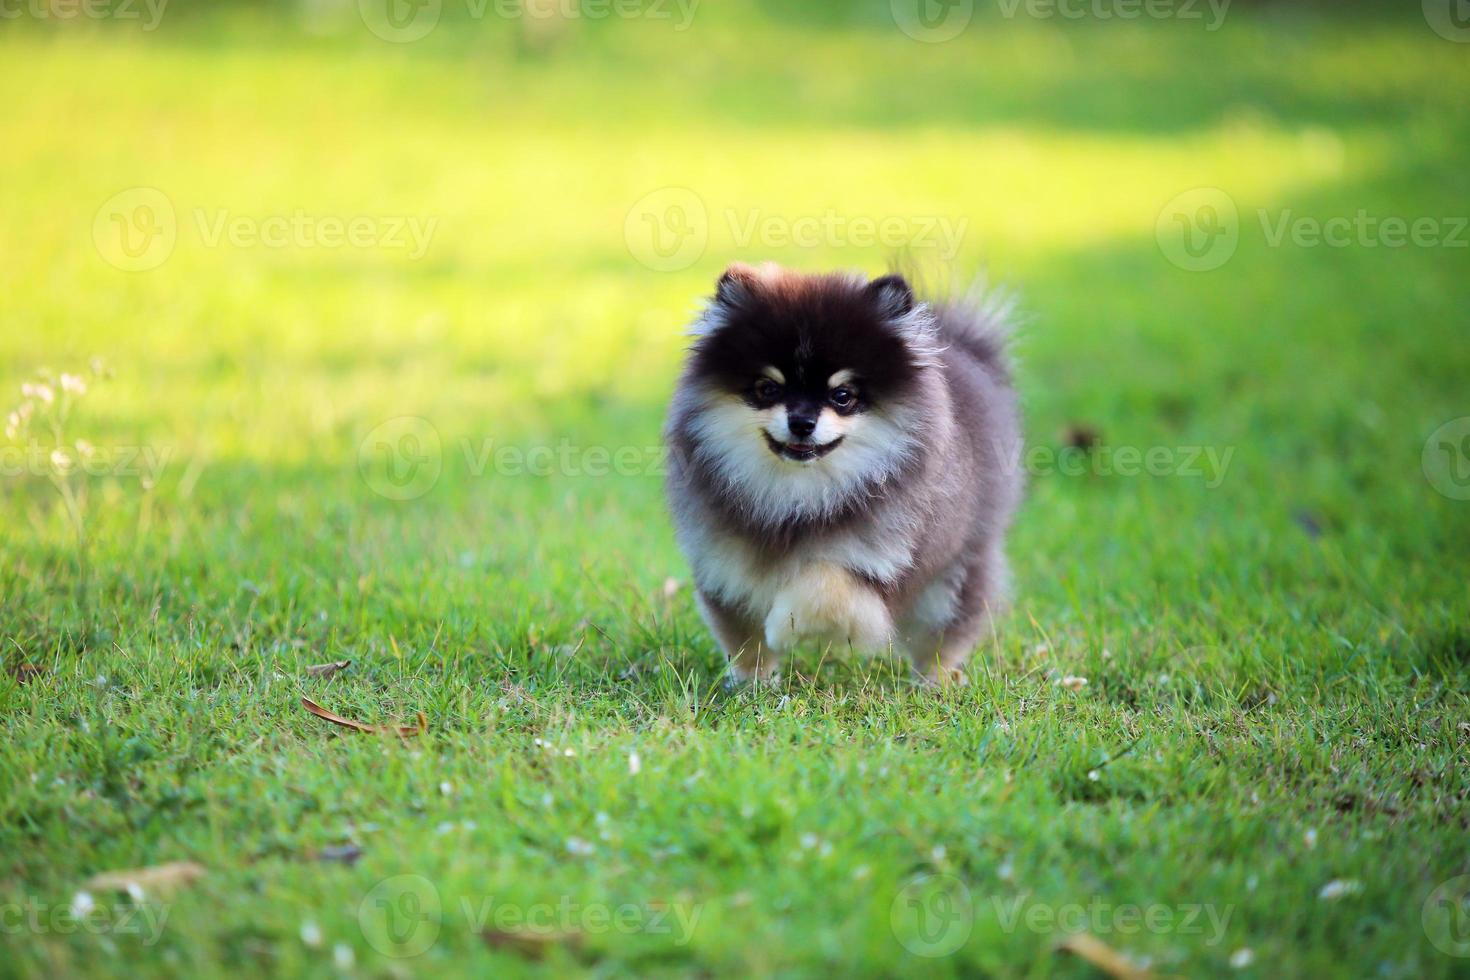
{"type": "Point", "coordinates": [809, 329]}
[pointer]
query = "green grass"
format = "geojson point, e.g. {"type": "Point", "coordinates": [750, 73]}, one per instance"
{"type": "Point", "coordinates": [1279, 650]}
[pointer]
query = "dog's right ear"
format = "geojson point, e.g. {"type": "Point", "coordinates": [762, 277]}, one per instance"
{"type": "Point", "coordinates": [736, 284]}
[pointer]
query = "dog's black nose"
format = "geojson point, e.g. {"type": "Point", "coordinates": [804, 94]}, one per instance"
{"type": "Point", "coordinates": [801, 424]}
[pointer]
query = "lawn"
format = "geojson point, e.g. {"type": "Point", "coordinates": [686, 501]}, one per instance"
{"type": "Point", "coordinates": [385, 333]}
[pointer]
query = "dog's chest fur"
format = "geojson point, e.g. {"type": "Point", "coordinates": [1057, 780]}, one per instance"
{"type": "Point", "coordinates": [734, 570]}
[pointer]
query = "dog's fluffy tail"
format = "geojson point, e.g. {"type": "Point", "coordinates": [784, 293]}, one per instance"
{"type": "Point", "coordinates": [969, 314]}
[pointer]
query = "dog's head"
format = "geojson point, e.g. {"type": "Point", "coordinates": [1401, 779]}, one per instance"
{"type": "Point", "coordinates": [807, 385]}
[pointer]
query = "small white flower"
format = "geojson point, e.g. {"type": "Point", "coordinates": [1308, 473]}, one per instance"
{"type": "Point", "coordinates": [1094, 775]}
{"type": "Point", "coordinates": [73, 384]}
{"type": "Point", "coordinates": [1309, 837]}
{"type": "Point", "coordinates": [135, 892]}
{"type": "Point", "coordinates": [568, 752]}
{"type": "Point", "coordinates": [938, 853]}
{"type": "Point", "coordinates": [1007, 870]}
{"type": "Point", "coordinates": [809, 841]}
{"type": "Point", "coordinates": [1339, 887]}
{"type": "Point", "coordinates": [671, 587]}
{"type": "Point", "coordinates": [579, 847]}
{"type": "Point", "coordinates": [85, 448]}
{"type": "Point", "coordinates": [635, 764]}
{"type": "Point", "coordinates": [82, 903]}
{"type": "Point", "coordinates": [1242, 958]}
{"type": "Point", "coordinates": [44, 393]}
{"type": "Point", "coordinates": [61, 460]}
{"type": "Point", "coordinates": [1072, 682]}
{"type": "Point", "coordinates": [446, 788]}
{"type": "Point", "coordinates": [342, 956]}
{"type": "Point", "coordinates": [311, 934]}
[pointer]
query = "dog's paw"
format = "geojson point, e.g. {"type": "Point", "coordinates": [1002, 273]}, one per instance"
{"type": "Point", "coordinates": [941, 676]}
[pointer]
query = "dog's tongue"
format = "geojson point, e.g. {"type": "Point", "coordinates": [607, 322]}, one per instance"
{"type": "Point", "coordinates": [801, 447]}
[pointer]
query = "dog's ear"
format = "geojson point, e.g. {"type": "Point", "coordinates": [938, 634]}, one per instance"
{"type": "Point", "coordinates": [736, 284]}
{"type": "Point", "coordinates": [892, 295]}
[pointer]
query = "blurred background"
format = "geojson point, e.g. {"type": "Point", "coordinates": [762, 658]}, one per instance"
{"type": "Point", "coordinates": [284, 226]}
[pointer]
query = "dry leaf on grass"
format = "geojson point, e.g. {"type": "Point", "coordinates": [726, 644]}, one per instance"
{"type": "Point", "coordinates": [159, 878]}
{"type": "Point", "coordinates": [1104, 957]}
{"type": "Point", "coordinates": [531, 944]}
{"type": "Point", "coordinates": [403, 731]}
{"type": "Point", "coordinates": [327, 670]}
{"type": "Point", "coordinates": [24, 673]}
{"type": "Point", "coordinates": [337, 854]}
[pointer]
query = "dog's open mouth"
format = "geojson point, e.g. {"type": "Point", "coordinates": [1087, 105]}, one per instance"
{"type": "Point", "coordinates": [801, 452]}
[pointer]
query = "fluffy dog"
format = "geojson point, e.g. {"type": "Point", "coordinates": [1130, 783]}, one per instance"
{"type": "Point", "coordinates": [845, 462]}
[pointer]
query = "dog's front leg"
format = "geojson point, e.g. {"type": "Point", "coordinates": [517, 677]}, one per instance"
{"type": "Point", "coordinates": [825, 601]}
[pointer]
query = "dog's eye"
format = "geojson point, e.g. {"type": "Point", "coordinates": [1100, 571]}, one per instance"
{"type": "Point", "coordinates": [767, 391]}
{"type": "Point", "coordinates": [843, 397]}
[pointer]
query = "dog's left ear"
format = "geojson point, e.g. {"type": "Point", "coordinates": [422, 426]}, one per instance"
{"type": "Point", "coordinates": [892, 295]}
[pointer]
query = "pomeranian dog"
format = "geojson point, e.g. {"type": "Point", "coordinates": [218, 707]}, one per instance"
{"type": "Point", "coordinates": [844, 465]}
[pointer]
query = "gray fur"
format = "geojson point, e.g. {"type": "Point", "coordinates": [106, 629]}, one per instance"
{"type": "Point", "coordinates": [921, 531]}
